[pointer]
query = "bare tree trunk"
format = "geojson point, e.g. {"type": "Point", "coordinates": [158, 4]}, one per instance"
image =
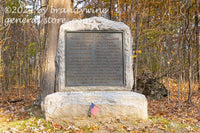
{"type": "Point", "coordinates": [131, 14]}
{"type": "Point", "coordinates": [1, 75]}
{"type": "Point", "coordinates": [19, 72]}
{"type": "Point", "coordinates": [119, 8]}
{"type": "Point", "coordinates": [136, 50]}
{"type": "Point", "coordinates": [111, 10]}
{"type": "Point", "coordinates": [197, 39]}
{"type": "Point", "coordinates": [48, 73]}
{"type": "Point", "coordinates": [26, 67]}
{"type": "Point", "coordinates": [37, 59]}
{"type": "Point", "coordinates": [179, 84]}
{"type": "Point", "coordinates": [189, 74]}
{"type": "Point", "coordinates": [189, 51]}
{"type": "Point", "coordinates": [168, 88]}
{"type": "Point", "coordinates": [2, 37]}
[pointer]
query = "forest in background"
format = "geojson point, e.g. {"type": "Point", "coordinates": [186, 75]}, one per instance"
{"type": "Point", "coordinates": [165, 39]}
{"type": "Point", "coordinates": [165, 48]}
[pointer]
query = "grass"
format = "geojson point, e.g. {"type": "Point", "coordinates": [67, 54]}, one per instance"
{"type": "Point", "coordinates": [173, 126]}
{"type": "Point", "coordinates": [155, 124]}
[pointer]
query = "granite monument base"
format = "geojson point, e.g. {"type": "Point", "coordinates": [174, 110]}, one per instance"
{"type": "Point", "coordinates": [63, 106]}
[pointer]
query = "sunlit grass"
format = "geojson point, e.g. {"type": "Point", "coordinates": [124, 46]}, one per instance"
{"type": "Point", "coordinates": [34, 124]}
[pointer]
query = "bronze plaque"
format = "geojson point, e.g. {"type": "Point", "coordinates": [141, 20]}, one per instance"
{"type": "Point", "coordinates": [94, 58]}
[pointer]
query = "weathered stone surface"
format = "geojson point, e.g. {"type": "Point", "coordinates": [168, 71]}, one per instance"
{"type": "Point", "coordinates": [94, 24]}
{"type": "Point", "coordinates": [69, 105]}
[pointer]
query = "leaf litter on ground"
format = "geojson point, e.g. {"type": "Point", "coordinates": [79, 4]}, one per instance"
{"type": "Point", "coordinates": [173, 115]}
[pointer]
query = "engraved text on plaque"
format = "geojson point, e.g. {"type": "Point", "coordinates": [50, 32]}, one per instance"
{"type": "Point", "coordinates": [94, 59]}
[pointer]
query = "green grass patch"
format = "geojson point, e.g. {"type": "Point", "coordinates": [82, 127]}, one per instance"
{"type": "Point", "coordinates": [32, 123]}
{"type": "Point", "coordinates": [172, 126]}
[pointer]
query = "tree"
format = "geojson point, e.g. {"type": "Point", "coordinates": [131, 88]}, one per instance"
{"type": "Point", "coordinates": [197, 38]}
{"type": "Point", "coordinates": [47, 85]}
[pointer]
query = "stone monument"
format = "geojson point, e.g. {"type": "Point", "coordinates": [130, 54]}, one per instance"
{"type": "Point", "coordinates": [94, 65]}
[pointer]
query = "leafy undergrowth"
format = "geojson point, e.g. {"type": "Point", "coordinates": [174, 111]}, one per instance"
{"type": "Point", "coordinates": [172, 114]}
